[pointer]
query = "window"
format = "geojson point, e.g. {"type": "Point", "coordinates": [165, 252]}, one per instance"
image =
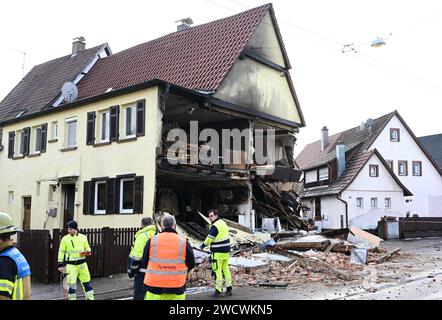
{"type": "Point", "coordinates": [374, 170]}
{"type": "Point", "coordinates": [311, 176]}
{"type": "Point", "coordinates": [403, 168]}
{"type": "Point", "coordinates": [71, 132]}
{"type": "Point", "coordinates": [100, 197]}
{"type": "Point", "coordinates": [130, 121]}
{"type": "Point", "coordinates": [323, 174]}
{"type": "Point", "coordinates": [20, 146]}
{"type": "Point", "coordinates": [394, 135]}
{"type": "Point", "coordinates": [374, 202]}
{"type": "Point", "coordinates": [37, 141]}
{"type": "Point", "coordinates": [390, 164]}
{"type": "Point", "coordinates": [10, 197]}
{"type": "Point", "coordinates": [359, 202]}
{"type": "Point", "coordinates": [54, 130]}
{"type": "Point", "coordinates": [127, 195]}
{"type": "Point", "coordinates": [387, 203]}
{"type": "Point", "coordinates": [417, 168]}
{"type": "Point", "coordinates": [104, 126]}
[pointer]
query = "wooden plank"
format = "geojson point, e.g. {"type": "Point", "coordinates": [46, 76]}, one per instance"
{"type": "Point", "coordinates": [320, 245]}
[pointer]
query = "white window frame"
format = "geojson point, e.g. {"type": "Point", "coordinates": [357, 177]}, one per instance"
{"type": "Point", "coordinates": [54, 130]}
{"type": "Point", "coordinates": [375, 201]}
{"type": "Point", "coordinates": [361, 200]}
{"type": "Point", "coordinates": [323, 178]}
{"type": "Point", "coordinates": [389, 203]}
{"type": "Point", "coordinates": [34, 140]}
{"type": "Point", "coordinates": [67, 122]}
{"type": "Point", "coordinates": [96, 211]}
{"type": "Point", "coordinates": [19, 142]}
{"type": "Point", "coordinates": [121, 195]}
{"type": "Point", "coordinates": [106, 126]}
{"type": "Point", "coordinates": [133, 121]}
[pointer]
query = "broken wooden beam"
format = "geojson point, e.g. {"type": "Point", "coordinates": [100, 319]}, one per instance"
{"type": "Point", "coordinates": [318, 245]}
{"type": "Point", "coordinates": [387, 256]}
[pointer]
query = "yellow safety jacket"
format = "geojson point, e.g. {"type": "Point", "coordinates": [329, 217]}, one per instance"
{"type": "Point", "coordinates": [71, 247]}
{"type": "Point", "coordinates": [140, 241]}
{"type": "Point", "coordinates": [218, 238]}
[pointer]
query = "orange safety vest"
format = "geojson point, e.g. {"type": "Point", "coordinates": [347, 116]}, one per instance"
{"type": "Point", "coordinates": [167, 261]}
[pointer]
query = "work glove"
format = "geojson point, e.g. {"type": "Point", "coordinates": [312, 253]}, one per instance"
{"type": "Point", "coordinates": [202, 246]}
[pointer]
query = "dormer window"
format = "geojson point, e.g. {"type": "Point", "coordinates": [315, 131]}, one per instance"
{"type": "Point", "coordinates": [394, 135]}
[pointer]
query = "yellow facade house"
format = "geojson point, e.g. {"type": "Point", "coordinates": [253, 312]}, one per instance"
{"type": "Point", "coordinates": [97, 150]}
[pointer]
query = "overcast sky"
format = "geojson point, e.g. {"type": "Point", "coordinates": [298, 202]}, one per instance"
{"type": "Point", "coordinates": [335, 89]}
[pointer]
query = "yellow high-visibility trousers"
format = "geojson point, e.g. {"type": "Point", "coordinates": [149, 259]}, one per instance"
{"type": "Point", "coordinates": [166, 296]}
{"type": "Point", "coordinates": [80, 272]}
{"type": "Point", "coordinates": [220, 265]}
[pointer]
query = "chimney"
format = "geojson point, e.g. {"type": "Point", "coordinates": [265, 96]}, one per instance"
{"type": "Point", "coordinates": [78, 45]}
{"type": "Point", "coordinates": [340, 158]}
{"type": "Point", "coordinates": [185, 24]}
{"type": "Point", "coordinates": [324, 138]}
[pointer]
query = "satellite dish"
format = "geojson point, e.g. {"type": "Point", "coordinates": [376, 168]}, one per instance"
{"type": "Point", "coordinates": [69, 91]}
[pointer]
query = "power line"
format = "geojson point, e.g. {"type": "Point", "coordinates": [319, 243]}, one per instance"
{"type": "Point", "coordinates": [377, 63]}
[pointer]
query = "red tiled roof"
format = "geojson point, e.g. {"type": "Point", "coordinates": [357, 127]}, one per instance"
{"type": "Point", "coordinates": [43, 83]}
{"type": "Point", "coordinates": [197, 58]}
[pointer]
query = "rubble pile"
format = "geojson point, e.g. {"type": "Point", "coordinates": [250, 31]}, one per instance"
{"type": "Point", "coordinates": [290, 259]}
{"type": "Point", "coordinates": [278, 200]}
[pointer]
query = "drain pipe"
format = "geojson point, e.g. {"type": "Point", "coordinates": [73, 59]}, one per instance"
{"type": "Point", "coordinates": [346, 209]}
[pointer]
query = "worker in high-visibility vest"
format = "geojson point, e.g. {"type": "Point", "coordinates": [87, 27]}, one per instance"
{"type": "Point", "coordinates": [166, 260]}
{"type": "Point", "coordinates": [141, 237]}
{"type": "Point", "coordinates": [74, 248]}
{"type": "Point", "coordinates": [15, 272]}
{"type": "Point", "coordinates": [219, 242]}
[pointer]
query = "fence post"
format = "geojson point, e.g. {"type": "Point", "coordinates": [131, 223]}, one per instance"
{"type": "Point", "coordinates": [53, 262]}
{"type": "Point", "coordinates": [108, 242]}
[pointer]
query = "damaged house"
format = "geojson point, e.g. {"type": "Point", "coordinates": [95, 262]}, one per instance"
{"type": "Point", "coordinates": [355, 177]}
{"type": "Point", "coordinates": [102, 156]}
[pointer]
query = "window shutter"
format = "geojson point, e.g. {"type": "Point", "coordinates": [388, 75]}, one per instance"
{"type": "Point", "coordinates": [26, 140]}
{"type": "Point", "coordinates": [114, 123]}
{"type": "Point", "coordinates": [117, 195]}
{"type": "Point", "coordinates": [110, 196]}
{"type": "Point", "coordinates": [140, 117]}
{"type": "Point", "coordinates": [11, 140]}
{"type": "Point", "coordinates": [138, 194]}
{"type": "Point", "coordinates": [44, 134]}
{"type": "Point", "coordinates": [88, 197]}
{"type": "Point", "coordinates": [90, 132]}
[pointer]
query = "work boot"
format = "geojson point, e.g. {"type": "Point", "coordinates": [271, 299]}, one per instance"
{"type": "Point", "coordinates": [229, 291]}
{"type": "Point", "coordinates": [216, 293]}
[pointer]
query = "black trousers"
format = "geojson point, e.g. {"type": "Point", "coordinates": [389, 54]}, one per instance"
{"type": "Point", "coordinates": [139, 288]}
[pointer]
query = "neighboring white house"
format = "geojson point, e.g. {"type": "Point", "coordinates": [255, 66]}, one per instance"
{"type": "Point", "coordinates": [413, 166]}
{"type": "Point", "coordinates": [377, 169]}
